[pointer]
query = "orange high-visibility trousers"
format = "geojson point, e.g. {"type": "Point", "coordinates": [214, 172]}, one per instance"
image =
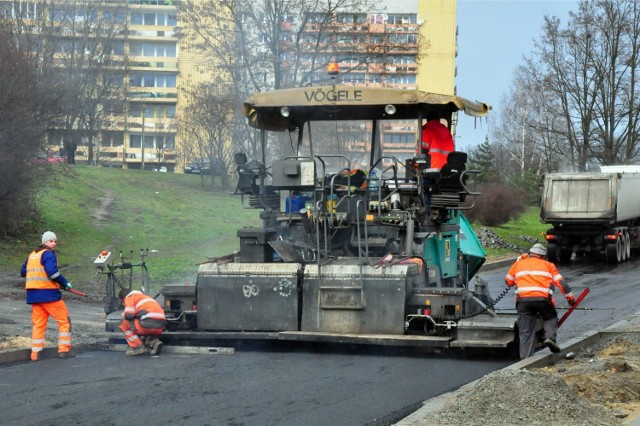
{"type": "Point", "coordinates": [40, 313]}
{"type": "Point", "coordinates": [131, 335]}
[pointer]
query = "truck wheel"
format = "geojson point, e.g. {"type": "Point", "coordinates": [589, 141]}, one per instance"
{"type": "Point", "coordinates": [565, 255]}
{"type": "Point", "coordinates": [619, 249]}
{"type": "Point", "coordinates": [627, 246]}
{"type": "Point", "coordinates": [612, 251]}
{"type": "Point", "coordinates": [552, 253]}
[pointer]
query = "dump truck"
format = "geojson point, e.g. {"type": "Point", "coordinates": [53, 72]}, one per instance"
{"type": "Point", "coordinates": [592, 213]}
{"type": "Point", "coordinates": [350, 249]}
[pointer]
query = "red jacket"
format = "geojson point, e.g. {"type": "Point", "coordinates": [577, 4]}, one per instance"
{"type": "Point", "coordinates": [437, 142]}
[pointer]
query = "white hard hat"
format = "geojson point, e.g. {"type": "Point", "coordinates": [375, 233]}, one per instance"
{"type": "Point", "coordinates": [538, 249]}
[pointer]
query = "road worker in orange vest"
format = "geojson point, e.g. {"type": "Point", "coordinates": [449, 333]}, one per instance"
{"type": "Point", "coordinates": [436, 141]}
{"type": "Point", "coordinates": [535, 278]}
{"type": "Point", "coordinates": [143, 321]}
{"type": "Point", "coordinates": [43, 283]}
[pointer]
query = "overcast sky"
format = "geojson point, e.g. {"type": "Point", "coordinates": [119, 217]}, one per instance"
{"type": "Point", "coordinates": [493, 37]}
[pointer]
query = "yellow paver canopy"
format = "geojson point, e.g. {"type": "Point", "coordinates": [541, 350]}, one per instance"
{"type": "Point", "coordinates": [264, 109]}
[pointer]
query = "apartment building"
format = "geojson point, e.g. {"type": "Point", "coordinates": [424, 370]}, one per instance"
{"type": "Point", "coordinates": [143, 134]}
{"type": "Point", "coordinates": [409, 44]}
{"type": "Point", "coordinates": [125, 55]}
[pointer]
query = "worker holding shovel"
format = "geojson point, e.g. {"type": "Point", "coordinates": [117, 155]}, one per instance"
{"type": "Point", "coordinates": [43, 284]}
{"type": "Point", "coordinates": [535, 279]}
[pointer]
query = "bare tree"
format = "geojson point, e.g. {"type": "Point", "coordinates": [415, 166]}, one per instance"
{"type": "Point", "coordinates": [265, 45]}
{"type": "Point", "coordinates": [84, 36]}
{"type": "Point", "coordinates": [578, 90]}
{"type": "Point", "coordinates": [208, 126]}
{"type": "Point", "coordinates": [26, 106]}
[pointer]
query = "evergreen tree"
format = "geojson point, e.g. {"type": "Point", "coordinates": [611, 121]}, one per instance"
{"type": "Point", "coordinates": [482, 158]}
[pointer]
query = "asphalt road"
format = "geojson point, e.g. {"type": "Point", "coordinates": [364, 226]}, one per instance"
{"type": "Point", "coordinates": [278, 385]}
{"type": "Point", "coordinates": [289, 386]}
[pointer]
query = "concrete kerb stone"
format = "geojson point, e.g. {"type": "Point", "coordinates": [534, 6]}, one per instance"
{"type": "Point", "coordinates": [16, 356]}
{"type": "Point", "coordinates": [505, 263]}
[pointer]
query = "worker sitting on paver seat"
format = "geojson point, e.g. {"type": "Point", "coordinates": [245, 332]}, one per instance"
{"type": "Point", "coordinates": [533, 277]}
{"type": "Point", "coordinates": [143, 321]}
{"type": "Point", "coordinates": [437, 141]}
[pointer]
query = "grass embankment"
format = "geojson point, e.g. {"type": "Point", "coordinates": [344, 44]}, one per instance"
{"type": "Point", "coordinates": [521, 232]}
{"type": "Point", "coordinates": [92, 209]}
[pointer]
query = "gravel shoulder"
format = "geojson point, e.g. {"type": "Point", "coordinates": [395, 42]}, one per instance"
{"type": "Point", "coordinates": [87, 317]}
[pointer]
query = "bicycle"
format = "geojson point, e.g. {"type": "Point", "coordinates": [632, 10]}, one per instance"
{"type": "Point", "coordinates": [122, 281]}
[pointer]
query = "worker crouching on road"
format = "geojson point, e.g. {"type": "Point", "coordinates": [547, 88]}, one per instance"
{"type": "Point", "coordinates": [43, 283]}
{"type": "Point", "coordinates": [534, 278]}
{"type": "Point", "coordinates": [143, 321]}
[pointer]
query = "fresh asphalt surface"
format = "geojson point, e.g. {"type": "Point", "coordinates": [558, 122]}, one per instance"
{"type": "Point", "coordinates": [282, 385]}
{"type": "Point", "coordinates": [268, 387]}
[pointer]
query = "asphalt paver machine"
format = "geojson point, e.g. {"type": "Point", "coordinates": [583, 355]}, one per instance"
{"type": "Point", "coordinates": [359, 241]}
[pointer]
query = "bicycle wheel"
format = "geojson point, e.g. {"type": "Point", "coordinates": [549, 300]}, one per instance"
{"type": "Point", "coordinates": [145, 282]}
{"type": "Point", "coordinates": [111, 300]}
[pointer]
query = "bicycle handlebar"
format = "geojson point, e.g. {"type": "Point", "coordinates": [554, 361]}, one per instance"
{"type": "Point", "coordinates": [116, 266]}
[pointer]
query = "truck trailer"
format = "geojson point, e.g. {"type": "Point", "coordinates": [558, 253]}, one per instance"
{"type": "Point", "coordinates": [356, 244]}
{"type": "Point", "coordinates": [592, 213]}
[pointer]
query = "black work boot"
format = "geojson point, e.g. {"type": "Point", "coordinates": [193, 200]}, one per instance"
{"type": "Point", "coordinates": [552, 345]}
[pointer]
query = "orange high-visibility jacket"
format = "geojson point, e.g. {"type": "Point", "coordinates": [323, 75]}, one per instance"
{"type": "Point", "coordinates": [437, 142]}
{"type": "Point", "coordinates": [37, 277]}
{"type": "Point", "coordinates": [145, 309]}
{"type": "Point", "coordinates": [534, 279]}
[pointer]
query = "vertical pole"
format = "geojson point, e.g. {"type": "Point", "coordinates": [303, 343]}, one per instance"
{"type": "Point", "coordinates": [144, 112]}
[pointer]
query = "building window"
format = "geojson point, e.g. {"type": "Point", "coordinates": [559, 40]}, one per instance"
{"type": "Point", "coordinates": [153, 19]}
{"type": "Point", "coordinates": [317, 17]}
{"type": "Point", "coordinates": [377, 18]}
{"type": "Point", "coordinates": [112, 139]}
{"type": "Point", "coordinates": [401, 79]}
{"type": "Point", "coordinates": [159, 50]}
{"type": "Point", "coordinates": [345, 18]}
{"type": "Point", "coordinates": [153, 142]}
{"type": "Point", "coordinates": [117, 47]}
{"type": "Point", "coordinates": [115, 17]}
{"type": "Point", "coordinates": [152, 80]}
{"type": "Point", "coordinates": [154, 111]}
{"type": "Point", "coordinates": [134, 141]}
{"type": "Point", "coordinates": [402, 19]}
{"type": "Point", "coordinates": [136, 18]}
{"type": "Point", "coordinates": [169, 142]}
{"type": "Point", "coordinates": [24, 10]}
{"type": "Point", "coordinates": [411, 60]}
{"type": "Point", "coordinates": [114, 80]}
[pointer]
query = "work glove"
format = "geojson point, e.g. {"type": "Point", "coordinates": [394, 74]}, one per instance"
{"type": "Point", "coordinates": [68, 286]}
{"type": "Point", "coordinates": [571, 299]}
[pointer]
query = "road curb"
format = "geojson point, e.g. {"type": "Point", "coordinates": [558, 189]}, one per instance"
{"type": "Point", "coordinates": [421, 416]}
{"type": "Point", "coordinates": [16, 356]}
{"type": "Point", "coordinates": [498, 264]}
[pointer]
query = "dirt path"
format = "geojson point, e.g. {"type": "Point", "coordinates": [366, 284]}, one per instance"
{"type": "Point", "coordinates": [101, 214]}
